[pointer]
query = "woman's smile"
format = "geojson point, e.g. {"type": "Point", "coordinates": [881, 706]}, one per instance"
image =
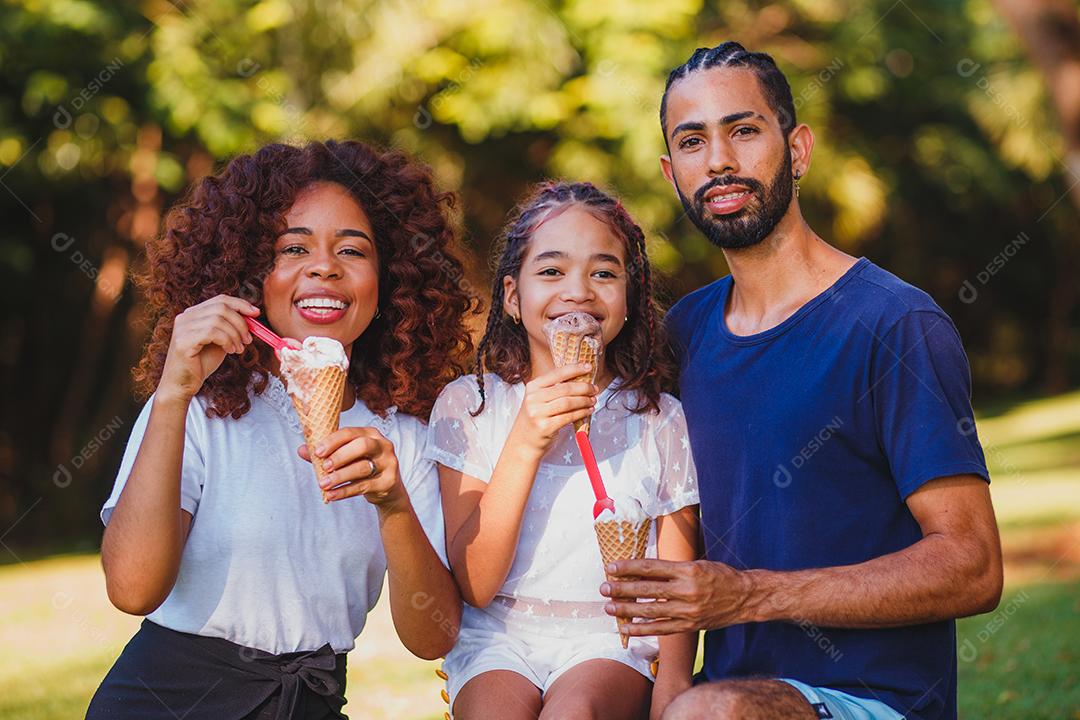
{"type": "Point", "coordinates": [325, 280]}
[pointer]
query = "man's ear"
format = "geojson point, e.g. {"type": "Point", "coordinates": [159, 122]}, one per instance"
{"type": "Point", "coordinates": [511, 304]}
{"type": "Point", "coordinates": [669, 172]}
{"type": "Point", "coordinates": [801, 142]}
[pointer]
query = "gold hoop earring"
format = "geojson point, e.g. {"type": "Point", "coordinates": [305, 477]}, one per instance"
{"type": "Point", "coordinates": [516, 319]}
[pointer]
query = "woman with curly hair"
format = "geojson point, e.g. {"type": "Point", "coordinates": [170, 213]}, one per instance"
{"type": "Point", "coordinates": [253, 588]}
{"type": "Point", "coordinates": [535, 640]}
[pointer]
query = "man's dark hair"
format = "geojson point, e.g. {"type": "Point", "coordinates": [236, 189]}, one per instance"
{"type": "Point", "coordinates": [732, 54]}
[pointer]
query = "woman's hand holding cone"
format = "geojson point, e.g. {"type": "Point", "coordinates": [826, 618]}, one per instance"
{"type": "Point", "coordinates": [349, 455]}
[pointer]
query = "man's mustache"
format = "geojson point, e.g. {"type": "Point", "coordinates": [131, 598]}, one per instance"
{"type": "Point", "coordinates": [699, 196]}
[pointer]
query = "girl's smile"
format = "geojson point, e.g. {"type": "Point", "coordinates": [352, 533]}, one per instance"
{"type": "Point", "coordinates": [574, 263]}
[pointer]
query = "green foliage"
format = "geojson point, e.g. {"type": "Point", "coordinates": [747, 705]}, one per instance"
{"type": "Point", "coordinates": [934, 147]}
{"type": "Point", "coordinates": [934, 151]}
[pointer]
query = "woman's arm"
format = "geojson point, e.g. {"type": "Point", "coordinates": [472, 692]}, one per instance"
{"type": "Point", "coordinates": [483, 520]}
{"type": "Point", "coordinates": [676, 539]}
{"type": "Point", "coordinates": [145, 537]}
{"type": "Point", "coordinates": [424, 601]}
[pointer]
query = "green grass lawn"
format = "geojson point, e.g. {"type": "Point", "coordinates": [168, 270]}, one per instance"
{"type": "Point", "coordinates": [1022, 661]}
{"type": "Point", "coordinates": [59, 634]}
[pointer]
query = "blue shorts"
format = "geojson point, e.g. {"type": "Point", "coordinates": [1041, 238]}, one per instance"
{"type": "Point", "coordinates": [835, 704]}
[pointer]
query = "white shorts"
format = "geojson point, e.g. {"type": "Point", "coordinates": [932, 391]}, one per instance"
{"type": "Point", "coordinates": [484, 644]}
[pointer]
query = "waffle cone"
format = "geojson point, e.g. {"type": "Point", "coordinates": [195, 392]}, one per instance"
{"type": "Point", "coordinates": [568, 348]}
{"type": "Point", "coordinates": [321, 411]}
{"type": "Point", "coordinates": [622, 540]}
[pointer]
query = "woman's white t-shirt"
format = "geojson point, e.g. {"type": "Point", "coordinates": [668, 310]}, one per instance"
{"type": "Point", "coordinates": [554, 581]}
{"type": "Point", "coordinates": [267, 564]}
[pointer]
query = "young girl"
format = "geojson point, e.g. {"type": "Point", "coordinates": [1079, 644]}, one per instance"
{"type": "Point", "coordinates": [535, 640]}
{"type": "Point", "coordinates": [253, 588]}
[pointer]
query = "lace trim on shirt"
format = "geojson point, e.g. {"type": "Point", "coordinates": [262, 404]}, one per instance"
{"type": "Point", "coordinates": [380, 423]}
{"type": "Point", "coordinates": [278, 398]}
{"type": "Point", "coordinates": [552, 617]}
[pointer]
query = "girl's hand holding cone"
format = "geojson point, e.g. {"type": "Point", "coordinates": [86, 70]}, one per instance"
{"type": "Point", "coordinates": [201, 337]}
{"type": "Point", "coordinates": [360, 461]}
{"type": "Point", "coordinates": [553, 401]}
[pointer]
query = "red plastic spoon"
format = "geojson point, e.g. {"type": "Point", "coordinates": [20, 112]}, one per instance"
{"type": "Point", "coordinates": [603, 502]}
{"type": "Point", "coordinates": [271, 338]}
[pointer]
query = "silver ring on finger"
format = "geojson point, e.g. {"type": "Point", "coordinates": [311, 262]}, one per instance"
{"type": "Point", "coordinates": [374, 469]}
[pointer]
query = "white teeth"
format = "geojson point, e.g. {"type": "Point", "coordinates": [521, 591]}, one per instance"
{"type": "Point", "coordinates": [729, 196]}
{"type": "Point", "coordinates": [321, 302]}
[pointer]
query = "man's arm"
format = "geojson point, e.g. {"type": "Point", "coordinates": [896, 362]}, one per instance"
{"type": "Point", "coordinates": [953, 571]}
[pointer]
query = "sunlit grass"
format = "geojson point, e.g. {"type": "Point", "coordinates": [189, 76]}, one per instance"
{"type": "Point", "coordinates": [1033, 451]}
{"type": "Point", "coordinates": [1032, 420]}
{"type": "Point", "coordinates": [1022, 661]}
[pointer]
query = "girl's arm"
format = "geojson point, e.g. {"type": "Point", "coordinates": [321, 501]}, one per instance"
{"type": "Point", "coordinates": [483, 520]}
{"type": "Point", "coordinates": [145, 537]}
{"type": "Point", "coordinates": [676, 539]}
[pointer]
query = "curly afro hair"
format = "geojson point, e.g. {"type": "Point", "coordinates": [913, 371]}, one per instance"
{"type": "Point", "coordinates": [220, 239]}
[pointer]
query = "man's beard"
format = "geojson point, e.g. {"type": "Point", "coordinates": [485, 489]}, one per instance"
{"type": "Point", "coordinates": [754, 221]}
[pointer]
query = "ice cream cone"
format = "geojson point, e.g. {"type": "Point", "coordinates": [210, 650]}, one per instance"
{"type": "Point", "coordinates": [622, 540]}
{"type": "Point", "coordinates": [575, 338]}
{"type": "Point", "coordinates": [320, 410]}
{"type": "Point", "coordinates": [315, 378]}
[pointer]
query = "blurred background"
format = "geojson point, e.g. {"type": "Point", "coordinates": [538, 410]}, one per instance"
{"type": "Point", "coordinates": [948, 152]}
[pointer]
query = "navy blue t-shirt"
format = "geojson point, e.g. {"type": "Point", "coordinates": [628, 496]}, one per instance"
{"type": "Point", "coordinates": [808, 438]}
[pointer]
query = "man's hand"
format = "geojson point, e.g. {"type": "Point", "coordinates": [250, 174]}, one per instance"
{"type": "Point", "coordinates": [952, 572]}
{"type": "Point", "coordinates": [691, 596]}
